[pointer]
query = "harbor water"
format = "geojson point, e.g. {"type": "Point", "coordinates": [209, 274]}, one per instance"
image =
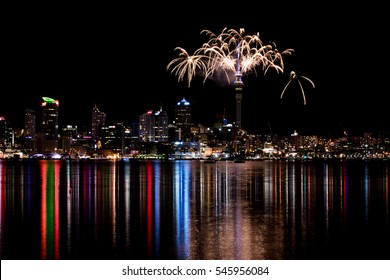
{"type": "Point", "coordinates": [194, 210]}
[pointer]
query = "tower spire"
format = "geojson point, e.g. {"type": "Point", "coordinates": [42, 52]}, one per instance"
{"type": "Point", "coordinates": [238, 86]}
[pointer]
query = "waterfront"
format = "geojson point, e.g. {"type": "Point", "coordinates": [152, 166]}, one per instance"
{"type": "Point", "coordinates": [190, 210]}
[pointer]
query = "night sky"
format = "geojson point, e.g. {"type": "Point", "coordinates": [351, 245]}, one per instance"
{"type": "Point", "coordinates": [116, 58]}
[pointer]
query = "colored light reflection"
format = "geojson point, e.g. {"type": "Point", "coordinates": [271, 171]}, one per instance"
{"type": "Point", "coordinates": [345, 192]}
{"type": "Point", "coordinates": [181, 202]}
{"type": "Point", "coordinates": [157, 210]}
{"type": "Point", "coordinates": [149, 207]}
{"type": "Point", "coordinates": [152, 208]}
{"type": "Point", "coordinates": [2, 205]}
{"type": "Point", "coordinates": [127, 202]}
{"type": "Point", "coordinates": [366, 194]}
{"type": "Point", "coordinates": [386, 192]}
{"type": "Point", "coordinates": [50, 222]}
{"type": "Point", "coordinates": [190, 210]}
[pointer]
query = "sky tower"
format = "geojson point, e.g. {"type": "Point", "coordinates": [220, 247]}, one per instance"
{"type": "Point", "coordinates": [238, 86]}
{"type": "Point", "coordinates": [231, 53]}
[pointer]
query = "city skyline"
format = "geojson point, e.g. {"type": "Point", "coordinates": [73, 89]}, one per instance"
{"type": "Point", "coordinates": [294, 197]}
{"type": "Point", "coordinates": [120, 65]}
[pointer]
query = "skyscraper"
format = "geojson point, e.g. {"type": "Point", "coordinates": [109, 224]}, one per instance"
{"type": "Point", "coordinates": [49, 108]}
{"type": "Point", "coordinates": [161, 126]}
{"type": "Point", "coordinates": [3, 133]}
{"type": "Point", "coordinates": [29, 124]}
{"type": "Point", "coordinates": [183, 119]}
{"type": "Point", "coordinates": [146, 127]}
{"type": "Point", "coordinates": [153, 126]}
{"type": "Point", "coordinates": [98, 121]}
{"type": "Point", "coordinates": [28, 141]}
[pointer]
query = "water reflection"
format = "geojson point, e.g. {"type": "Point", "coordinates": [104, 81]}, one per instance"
{"type": "Point", "coordinates": [50, 221]}
{"type": "Point", "coordinates": [193, 210]}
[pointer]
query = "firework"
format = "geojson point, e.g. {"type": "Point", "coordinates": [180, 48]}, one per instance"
{"type": "Point", "coordinates": [231, 52]}
{"type": "Point", "coordinates": [295, 76]}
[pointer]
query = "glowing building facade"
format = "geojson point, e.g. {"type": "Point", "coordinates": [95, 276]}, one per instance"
{"type": "Point", "coordinates": [153, 126]}
{"type": "Point", "coordinates": [49, 127]}
{"type": "Point", "coordinates": [3, 132]}
{"type": "Point", "coordinates": [183, 120]}
{"type": "Point", "coordinates": [98, 121]}
{"type": "Point", "coordinates": [28, 141]}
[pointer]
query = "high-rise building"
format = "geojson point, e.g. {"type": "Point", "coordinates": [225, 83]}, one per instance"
{"type": "Point", "coordinates": [183, 120]}
{"type": "Point", "coordinates": [153, 126]}
{"type": "Point", "coordinates": [98, 121]}
{"type": "Point", "coordinates": [50, 118]}
{"type": "Point", "coordinates": [146, 131]}
{"type": "Point", "coordinates": [68, 133]}
{"type": "Point", "coordinates": [7, 135]}
{"type": "Point", "coordinates": [161, 126]}
{"type": "Point", "coordinates": [29, 124]}
{"type": "Point", "coordinates": [28, 140]}
{"type": "Point", "coordinates": [49, 139]}
{"type": "Point", "coordinates": [183, 112]}
{"type": "Point", "coordinates": [3, 133]}
{"type": "Point", "coordinates": [113, 137]}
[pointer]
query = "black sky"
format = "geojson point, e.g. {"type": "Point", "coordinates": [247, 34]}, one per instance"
{"type": "Point", "coordinates": [116, 57]}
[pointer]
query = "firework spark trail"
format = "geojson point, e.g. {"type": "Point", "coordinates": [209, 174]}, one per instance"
{"type": "Point", "coordinates": [229, 52]}
{"type": "Point", "coordinates": [232, 52]}
{"type": "Point", "coordinates": [187, 64]}
{"type": "Point", "coordinates": [295, 76]}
